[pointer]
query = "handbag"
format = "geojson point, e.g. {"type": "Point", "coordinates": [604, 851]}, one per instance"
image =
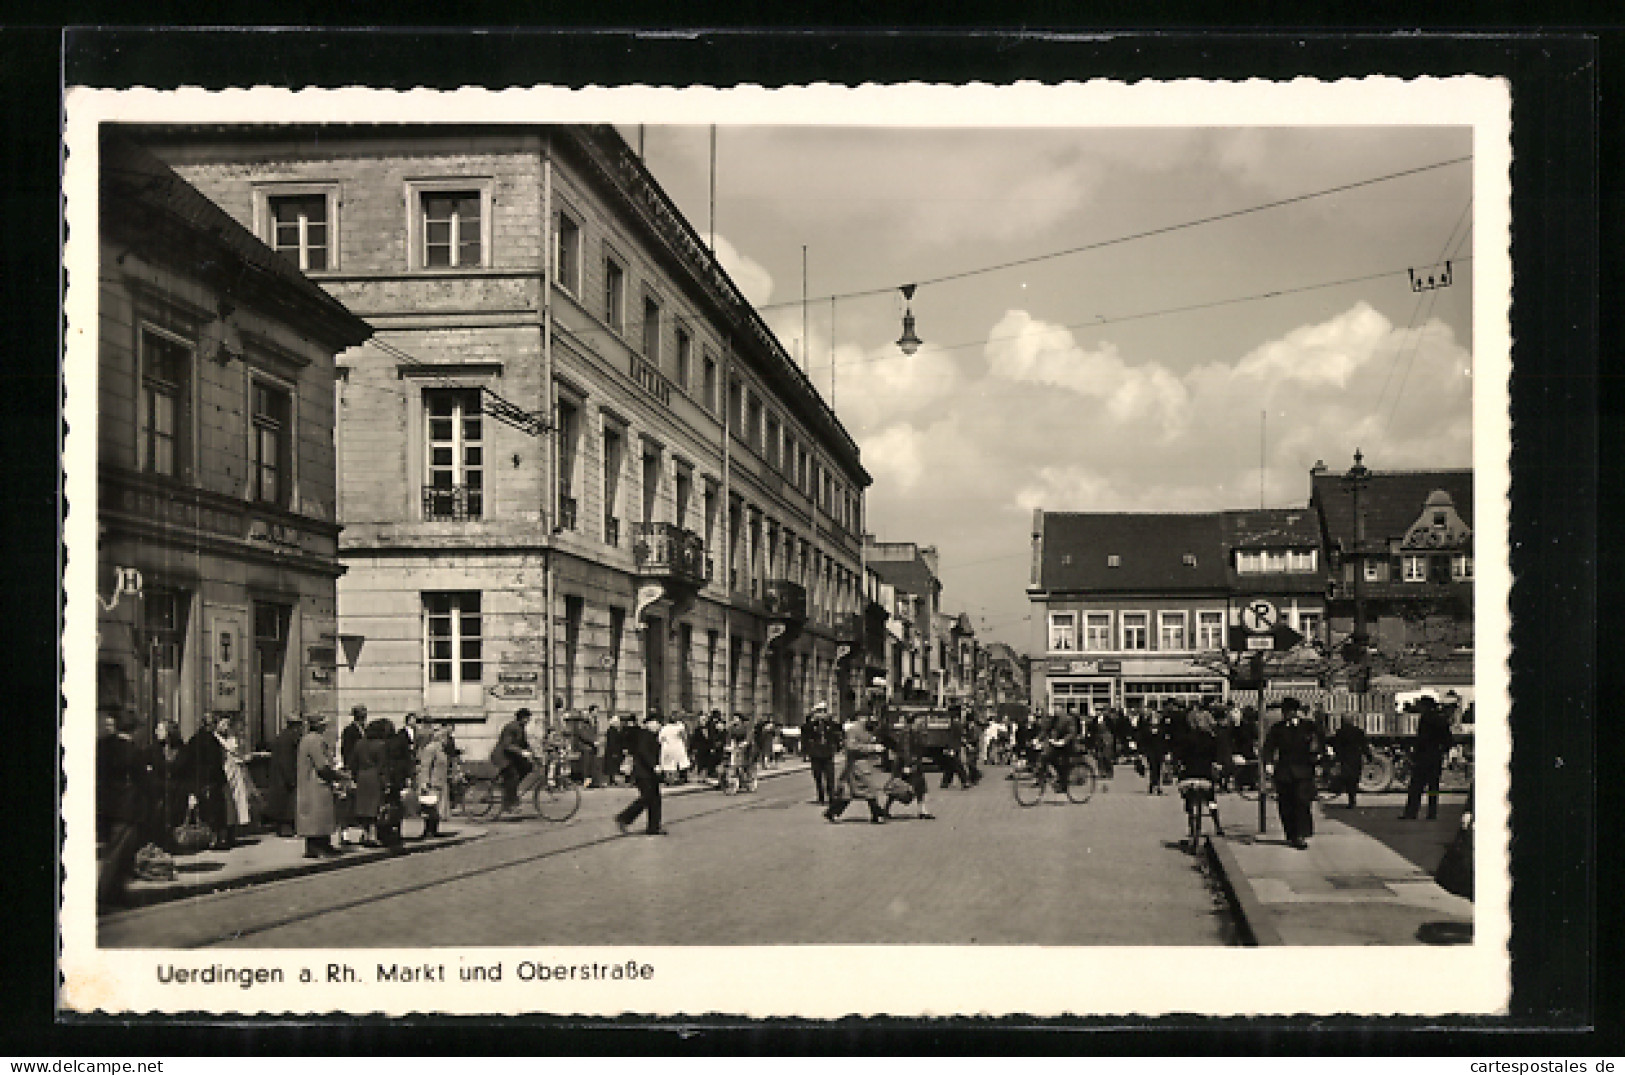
{"type": "Point", "coordinates": [410, 803]}
{"type": "Point", "coordinates": [191, 834]}
{"type": "Point", "coordinates": [153, 863]}
{"type": "Point", "coordinates": [899, 789]}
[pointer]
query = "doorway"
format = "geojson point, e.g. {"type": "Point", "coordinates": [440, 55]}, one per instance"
{"type": "Point", "coordinates": [654, 663]}
{"type": "Point", "coordinates": [270, 654]}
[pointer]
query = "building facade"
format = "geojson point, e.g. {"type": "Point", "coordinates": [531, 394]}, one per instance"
{"type": "Point", "coordinates": [911, 572]}
{"type": "Point", "coordinates": [575, 463]}
{"type": "Point", "coordinates": [217, 531]}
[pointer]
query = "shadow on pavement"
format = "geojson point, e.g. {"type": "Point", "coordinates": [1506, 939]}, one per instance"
{"type": "Point", "coordinates": [1445, 933]}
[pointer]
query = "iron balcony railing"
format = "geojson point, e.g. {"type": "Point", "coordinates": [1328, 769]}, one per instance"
{"type": "Point", "coordinates": [785, 600]}
{"type": "Point", "coordinates": [454, 503]}
{"type": "Point", "coordinates": [666, 550]}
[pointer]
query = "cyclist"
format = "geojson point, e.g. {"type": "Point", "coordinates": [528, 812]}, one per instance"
{"type": "Point", "coordinates": [1197, 758]}
{"type": "Point", "coordinates": [512, 757]}
{"type": "Point", "coordinates": [1056, 744]}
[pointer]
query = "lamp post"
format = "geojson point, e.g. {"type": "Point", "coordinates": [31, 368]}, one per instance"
{"type": "Point", "coordinates": [1355, 481]}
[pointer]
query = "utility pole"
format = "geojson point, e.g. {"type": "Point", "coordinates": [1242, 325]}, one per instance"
{"type": "Point", "coordinates": [1356, 480]}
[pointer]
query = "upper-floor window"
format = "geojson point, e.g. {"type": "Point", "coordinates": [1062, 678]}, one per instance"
{"type": "Point", "coordinates": [614, 294]}
{"type": "Point", "coordinates": [651, 481]}
{"type": "Point", "coordinates": [300, 230]}
{"type": "Point", "coordinates": [708, 385]}
{"type": "Point", "coordinates": [614, 459]}
{"type": "Point", "coordinates": [1171, 630]}
{"type": "Point", "coordinates": [1249, 561]}
{"type": "Point", "coordinates": [1309, 625]}
{"type": "Point", "coordinates": [567, 253]}
{"type": "Point", "coordinates": [1136, 629]}
{"type": "Point", "coordinates": [455, 440]}
{"type": "Point", "coordinates": [1303, 559]}
{"type": "Point", "coordinates": [651, 330]}
{"type": "Point", "coordinates": [1275, 560]}
{"type": "Point", "coordinates": [684, 489]}
{"type": "Point", "coordinates": [1097, 631]}
{"type": "Point", "coordinates": [453, 231]}
{"type": "Point", "coordinates": [1063, 631]}
{"type": "Point", "coordinates": [685, 358]}
{"type": "Point", "coordinates": [1209, 629]}
{"type": "Point", "coordinates": [772, 442]}
{"type": "Point", "coordinates": [165, 419]}
{"type": "Point", "coordinates": [569, 435]}
{"type": "Point", "coordinates": [271, 475]}
{"type": "Point", "coordinates": [1375, 570]}
{"type": "Point", "coordinates": [753, 421]}
{"type": "Point", "coordinates": [1416, 568]}
{"type": "Point", "coordinates": [1461, 565]}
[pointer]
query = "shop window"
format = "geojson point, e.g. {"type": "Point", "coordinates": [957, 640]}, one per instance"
{"type": "Point", "coordinates": [453, 658]}
{"type": "Point", "coordinates": [455, 446]}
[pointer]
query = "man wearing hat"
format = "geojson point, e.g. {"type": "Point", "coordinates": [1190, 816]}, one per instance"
{"type": "Point", "coordinates": [512, 756]}
{"type": "Point", "coordinates": [1433, 742]}
{"type": "Point", "coordinates": [821, 737]}
{"type": "Point", "coordinates": [315, 818]}
{"type": "Point", "coordinates": [1292, 746]}
{"type": "Point", "coordinates": [282, 793]}
{"type": "Point", "coordinates": [643, 744]}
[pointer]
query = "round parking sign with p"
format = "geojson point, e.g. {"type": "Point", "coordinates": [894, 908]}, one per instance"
{"type": "Point", "coordinates": [1259, 616]}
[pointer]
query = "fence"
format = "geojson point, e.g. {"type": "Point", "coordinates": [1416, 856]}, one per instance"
{"type": "Point", "coordinates": [1375, 709]}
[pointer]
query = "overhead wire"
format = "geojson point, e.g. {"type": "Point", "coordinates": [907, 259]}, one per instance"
{"type": "Point", "coordinates": [1414, 338]}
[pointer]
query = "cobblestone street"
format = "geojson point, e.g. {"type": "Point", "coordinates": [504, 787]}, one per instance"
{"type": "Point", "coordinates": [758, 869]}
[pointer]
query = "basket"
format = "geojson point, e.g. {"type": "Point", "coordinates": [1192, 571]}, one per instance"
{"type": "Point", "coordinates": [192, 835]}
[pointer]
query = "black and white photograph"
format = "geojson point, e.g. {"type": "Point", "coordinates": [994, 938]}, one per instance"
{"type": "Point", "coordinates": [896, 550]}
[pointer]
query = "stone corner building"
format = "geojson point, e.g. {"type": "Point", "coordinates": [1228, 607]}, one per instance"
{"type": "Point", "coordinates": [217, 529]}
{"type": "Point", "coordinates": [575, 463]}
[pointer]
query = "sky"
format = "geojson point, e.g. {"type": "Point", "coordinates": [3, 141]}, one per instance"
{"type": "Point", "coordinates": [1084, 382]}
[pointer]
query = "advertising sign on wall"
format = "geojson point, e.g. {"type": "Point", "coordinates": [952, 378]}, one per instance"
{"type": "Point", "coordinates": [226, 628]}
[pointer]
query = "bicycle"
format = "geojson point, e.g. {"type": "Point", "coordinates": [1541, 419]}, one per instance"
{"type": "Point", "coordinates": [1031, 779]}
{"type": "Point", "coordinates": [549, 787]}
{"type": "Point", "coordinates": [738, 774]}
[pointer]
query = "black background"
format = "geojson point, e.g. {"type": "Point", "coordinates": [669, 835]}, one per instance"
{"type": "Point", "coordinates": [1567, 432]}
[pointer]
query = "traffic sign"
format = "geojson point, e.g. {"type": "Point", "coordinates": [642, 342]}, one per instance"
{"type": "Point", "coordinates": [1265, 642]}
{"type": "Point", "coordinates": [1259, 616]}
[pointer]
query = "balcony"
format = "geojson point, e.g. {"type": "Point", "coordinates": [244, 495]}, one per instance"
{"type": "Point", "coordinates": [567, 513]}
{"type": "Point", "coordinates": [849, 627]}
{"type": "Point", "coordinates": [666, 551]}
{"type": "Point", "coordinates": [452, 503]}
{"type": "Point", "coordinates": [785, 601]}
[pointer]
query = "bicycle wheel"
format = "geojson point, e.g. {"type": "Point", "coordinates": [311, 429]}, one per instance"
{"type": "Point", "coordinates": [482, 798]}
{"type": "Point", "coordinates": [1376, 774]}
{"type": "Point", "coordinates": [557, 801]}
{"type": "Point", "coordinates": [1080, 781]}
{"type": "Point", "coordinates": [1029, 787]}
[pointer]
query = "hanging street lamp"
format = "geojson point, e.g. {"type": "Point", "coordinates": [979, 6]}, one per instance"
{"type": "Point", "coordinates": [908, 342]}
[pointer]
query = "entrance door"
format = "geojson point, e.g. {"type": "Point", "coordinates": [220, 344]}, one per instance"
{"type": "Point", "coordinates": [778, 682]}
{"type": "Point", "coordinates": [654, 663]}
{"type": "Point", "coordinates": [270, 653]}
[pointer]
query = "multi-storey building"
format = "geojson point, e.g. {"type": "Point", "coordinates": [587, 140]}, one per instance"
{"type": "Point", "coordinates": [217, 540]}
{"type": "Point", "coordinates": [575, 462]}
{"type": "Point", "coordinates": [1274, 555]}
{"type": "Point", "coordinates": [1007, 674]}
{"type": "Point", "coordinates": [911, 571]}
{"type": "Point", "coordinates": [1403, 563]}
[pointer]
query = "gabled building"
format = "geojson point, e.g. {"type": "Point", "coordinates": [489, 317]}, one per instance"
{"type": "Point", "coordinates": [1403, 563]}
{"type": "Point", "coordinates": [1274, 555]}
{"type": "Point", "coordinates": [1007, 674]}
{"type": "Point", "coordinates": [911, 571]}
{"type": "Point", "coordinates": [217, 532]}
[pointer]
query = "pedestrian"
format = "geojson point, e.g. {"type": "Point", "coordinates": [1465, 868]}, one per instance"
{"type": "Point", "coordinates": [587, 737]}
{"type": "Point", "coordinates": [351, 737]}
{"type": "Point", "coordinates": [239, 808]}
{"type": "Point", "coordinates": [674, 759]}
{"type": "Point", "coordinates": [121, 808]}
{"type": "Point", "coordinates": [282, 790]}
{"type": "Point", "coordinates": [820, 739]}
{"type": "Point", "coordinates": [1353, 750]}
{"type": "Point", "coordinates": [1105, 745]}
{"type": "Point", "coordinates": [908, 781]}
{"type": "Point", "coordinates": [1433, 741]}
{"type": "Point", "coordinates": [315, 817]}
{"type": "Point", "coordinates": [948, 756]}
{"type": "Point", "coordinates": [614, 751]}
{"type": "Point", "coordinates": [1291, 746]}
{"type": "Point", "coordinates": [857, 779]}
{"type": "Point", "coordinates": [1197, 761]}
{"type": "Point", "coordinates": [370, 759]}
{"type": "Point", "coordinates": [643, 745]}
{"type": "Point", "coordinates": [399, 777]}
{"type": "Point", "coordinates": [512, 756]}
{"type": "Point", "coordinates": [434, 781]}
{"type": "Point", "coordinates": [166, 796]}
{"type": "Point", "coordinates": [1154, 748]}
{"type": "Point", "coordinates": [765, 732]}
{"type": "Point", "coordinates": [206, 764]}
{"type": "Point", "coordinates": [1224, 741]}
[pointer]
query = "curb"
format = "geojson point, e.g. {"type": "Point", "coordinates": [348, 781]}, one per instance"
{"type": "Point", "coordinates": [1254, 919]}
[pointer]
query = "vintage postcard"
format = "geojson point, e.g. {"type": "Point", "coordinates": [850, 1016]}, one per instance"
{"type": "Point", "coordinates": [909, 550]}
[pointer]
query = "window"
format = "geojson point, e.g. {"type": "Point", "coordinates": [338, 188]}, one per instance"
{"type": "Point", "coordinates": [651, 330]}
{"type": "Point", "coordinates": [165, 405]}
{"type": "Point", "coordinates": [651, 483]}
{"type": "Point", "coordinates": [1461, 566]}
{"type": "Point", "coordinates": [614, 449]}
{"type": "Point", "coordinates": [1210, 630]}
{"type": "Point", "coordinates": [1189, 559]}
{"type": "Point", "coordinates": [1114, 560]}
{"type": "Point", "coordinates": [685, 359]}
{"type": "Point", "coordinates": [617, 631]}
{"type": "Point", "coordinates": [736, 407]}
{"type": "Point", "coordinates": [452, 657]}
{"type": "Point", "coordinates": [1248, 563]}
{"type": "Point", "coordinates": [1063, 631]}
{"type": "Point", "coordinates": [1416, 568]}
{"type": "Point", "coordinates": [685, 487]}
{"type": "Point", "coordinates": [1275, 561]}
{"type": "Point", "coordinates": [452, 237]}
{"type": "Point", "coordinates": [772, 442]}
{"type": "Point", "coordinates": [614, 295]}
{"type": "Point", "coordinates": [299, 229]}
{"type": "Point", "coordinates": [573, 607]}
{"type": "Point", "coordinates": [1303, 559]}
{"type": "Point", "coordinates": [1309, 625]}
{"type": "Point", "coordinates": [569, 434]}
{"type": "Point", "coordinates": [456, 455]}
{"type": "Point", "coordinates": [271, 476]}
{"type": "Point", "coordinates": [1136, 627]}
{"type": "Point", "coordinates": [1171, 630]}
{"type": "Point", "coordinates": [753, 422]}
{"type": "Point", "coordinates": [1439, 519]}
{"type": "Point", "coordinates": [567, 254]}
{"type": "Point", "coordinates": [710, 521]}
{"type": "Point", "coordinates": [708, 388]}
{"type": "Point", "coordinates": [1374, 571]}
{"type": "Point", "coordinates": [1097, 631]}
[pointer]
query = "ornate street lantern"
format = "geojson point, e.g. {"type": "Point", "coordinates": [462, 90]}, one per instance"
{"type": "Point", "coordinates": [908, 342]}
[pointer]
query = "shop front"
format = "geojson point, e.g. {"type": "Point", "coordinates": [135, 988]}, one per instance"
{"type": "Point", "coordinates": [1086, 687]}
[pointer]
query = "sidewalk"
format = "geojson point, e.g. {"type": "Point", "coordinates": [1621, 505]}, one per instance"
{"type": "Point", "coordinates": [265, 857]}
{"type": "Point", "coordinates": [1347, 888]}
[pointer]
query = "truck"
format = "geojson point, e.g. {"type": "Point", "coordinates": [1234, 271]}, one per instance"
{"type": "Point", "coordinates": [1391, 733]}
{"type": "Point", "coordinates": [942, 727]}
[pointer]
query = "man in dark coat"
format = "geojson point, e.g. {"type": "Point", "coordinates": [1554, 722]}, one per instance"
{"type": "Point", "coordinates": [1433, 742]}
{"type": "Point", "coordinates": [1059, 740]}
{"type": "Point", "coordinates": [644, 746]}
{"type": "Point", "coordinates": [206, 762]}
{"type": "Point", "coordinates": [511, 756]}
{"type": "Point", "coordinates": [353, 733]}
{"type": "Point", "coordinates": [1353, 751]}
{"type": "Point", "coordinates": [1292, 745]}
{"type": "Point", "coordinates": [120, 805]}
{"type": "Point", "coordinates": [820, 739]}
{"type": "Point", "coordinates": [614, 752]}
{"type": "Point", "coordinates": [907, 744]}
{"type": "Point", "coordinates": [282, 793]}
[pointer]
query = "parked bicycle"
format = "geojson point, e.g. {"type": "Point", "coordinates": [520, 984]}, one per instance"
{"type": "Point", "coordinates": [1032, 778]}
{"type": "Point", "coordinates": [549, 789]}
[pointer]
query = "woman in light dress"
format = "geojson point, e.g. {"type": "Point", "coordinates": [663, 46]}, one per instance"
{"type": "Point", "coordinates": [673, 751]}
{"type": "Point", "coordinates": [239, 813]}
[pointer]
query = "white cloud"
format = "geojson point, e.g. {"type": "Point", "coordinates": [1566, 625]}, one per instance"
{"type": "Point", "coordinates": [895, 456]}
{"type": "Point", "coordinates": [755, 282]}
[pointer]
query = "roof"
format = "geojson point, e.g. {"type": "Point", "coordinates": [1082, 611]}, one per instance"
{"type": "Point", "coordinates": [1391, 502]}
{"type": "Point", "coordinates": [1150, 550]}
{"type": "Point", "coordinates": [1000, 651]}
{"type": "Point", "coordinates": [1272, 528]}
{"type": "Point", "coordinates": [910, 576]}
{"type": "Point", "coordinates": [143, 201]}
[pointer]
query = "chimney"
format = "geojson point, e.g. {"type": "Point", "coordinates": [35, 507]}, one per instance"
{"type": "Point", "coordinates": [1038, 547]}
{"type": "Point", "coordinates": [928, 553]}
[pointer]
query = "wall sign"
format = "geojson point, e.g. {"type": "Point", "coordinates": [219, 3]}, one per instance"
{"type": "Point", "coordinates": [226, 628]}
